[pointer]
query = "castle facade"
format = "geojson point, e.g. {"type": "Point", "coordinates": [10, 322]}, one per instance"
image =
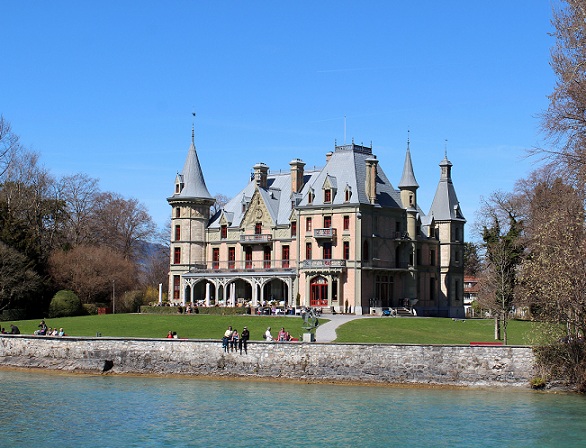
{"type": "Point", "coordinates": [340, 238]}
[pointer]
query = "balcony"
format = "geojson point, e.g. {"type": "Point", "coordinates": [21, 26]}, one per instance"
{"type": "Point", "coordinates": [321, 264]}
{"type": "Point", "coordinates": [327, 233]}
{"type": "Point", "coordinates": [263, 238]}
{"type": "Point", "coordinates": [248, 265]}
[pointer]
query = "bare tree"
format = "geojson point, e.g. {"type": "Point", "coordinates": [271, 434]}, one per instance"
{"type": "Point", "coordinates": [502, 235]}
{"type": "Point", "coordinates": [221, 200]}
{"type": "Point", "coordinates": [30, 212]}
{"type": "Point", "coordinates": [565, 120]}
{"type": "Point", "coordinates": [79, 193]}
{"type": "Point", "coordinates": [122, 224]}
{"type": "Point", "coordinates": [9, 145]}
{"type": "Point", "coordinates": [554, 275]}
{"type": "Point", "coordinates": [92, 272]}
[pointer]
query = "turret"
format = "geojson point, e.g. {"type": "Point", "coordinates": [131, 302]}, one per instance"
{"type": "Point", "coordinates": [450, 222]}
{"type": "Point", "coordinates": [191, 202]}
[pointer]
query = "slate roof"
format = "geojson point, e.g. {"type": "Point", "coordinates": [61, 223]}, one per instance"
{"type": "Point", "coordinates": [445, 205]}
{"type": "Point", "coordinates": [346, 168]}
{"type": "Point", "coordinates": [408, 178]}
{"type": "Point", "coordinates": [194, 186]}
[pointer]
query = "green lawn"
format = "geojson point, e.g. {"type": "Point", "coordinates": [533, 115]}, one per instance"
{"type": "Point", "coordinates": [430, 331]}
{"type": "Point", "coordinates": [193, 326]}
{"type": "Point", "coordinates": [369, 330]}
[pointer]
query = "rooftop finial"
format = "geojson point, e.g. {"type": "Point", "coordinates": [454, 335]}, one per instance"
{"type": "Point", "coordinates": [446, 148]}
{"type": "Point", "coordinates": [408, 138]}
{"type": "Point", "coordinates": [193, 128]}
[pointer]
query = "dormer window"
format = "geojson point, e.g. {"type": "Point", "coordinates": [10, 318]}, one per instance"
{"type": "Point", "coordinates": [310, 197]}
{"type": "Point", "coordinates": [347, 194]}
{"type": "Point", "coordinates": [328, 195]}
{"type": "Point", "coordinates": [224, 232]}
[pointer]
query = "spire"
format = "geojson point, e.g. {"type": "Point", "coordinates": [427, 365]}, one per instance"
{"type": "Point", "coordinates": [445, 204]}
{"type": "Point", "coordinates": [193, 183]}
{"type": "Point", "coordinates": [408, 178]}
{"type": "Point", "coordinates": [193, 129]}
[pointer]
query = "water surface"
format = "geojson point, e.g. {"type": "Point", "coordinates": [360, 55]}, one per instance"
{"type": "Point", "coordinates": [116, 411]}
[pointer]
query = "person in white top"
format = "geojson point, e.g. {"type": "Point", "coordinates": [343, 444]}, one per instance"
{"type": "Point", "coordinates": [268, 335]}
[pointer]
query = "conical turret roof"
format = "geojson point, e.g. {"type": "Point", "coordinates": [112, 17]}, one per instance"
{"type": "Point", "coordinates": [408, 178]}
{"type": "Point", "coordinates": [191, 177]}
{"type": "Point", "coordinates": [445, 206]}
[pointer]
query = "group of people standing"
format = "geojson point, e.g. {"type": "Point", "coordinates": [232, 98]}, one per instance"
{"type": "Point", "coordinates": [233, 341]}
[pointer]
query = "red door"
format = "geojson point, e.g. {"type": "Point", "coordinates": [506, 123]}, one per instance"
{"type": "Point", "coordinates": [319, 292]}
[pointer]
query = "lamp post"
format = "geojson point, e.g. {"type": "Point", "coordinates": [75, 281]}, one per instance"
{"type": "Point", "coordinates": [113, 296]}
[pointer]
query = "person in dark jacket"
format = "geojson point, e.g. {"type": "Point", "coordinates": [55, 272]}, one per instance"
{"type": "Point", "coordinates": [14, 329]}
{"type": "Point", "coordinates": [243, 342]}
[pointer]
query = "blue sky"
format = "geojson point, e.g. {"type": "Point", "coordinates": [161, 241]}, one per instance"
{"type": "Point", "coordinates": [107, 88]}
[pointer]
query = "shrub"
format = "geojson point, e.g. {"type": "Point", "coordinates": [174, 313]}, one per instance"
{"type": "Point", "coordinates": [65, 303]}
{"type": "Point", "coordinates": [563, 361]}
{"type": "Point", "coordinates": [130, 302]}
{"type": "Point", "coordinates": [90, 308]}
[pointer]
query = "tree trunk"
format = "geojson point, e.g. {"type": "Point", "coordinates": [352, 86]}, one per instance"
{"type": "Point", "coordinates": [497, 329]}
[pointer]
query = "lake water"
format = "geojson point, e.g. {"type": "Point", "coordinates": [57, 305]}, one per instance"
{"type": "Point", "coordinates": [51, 410]}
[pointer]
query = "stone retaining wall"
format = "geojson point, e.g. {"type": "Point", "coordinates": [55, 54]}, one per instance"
{"type": "Point", "coordinates": [453, 365]}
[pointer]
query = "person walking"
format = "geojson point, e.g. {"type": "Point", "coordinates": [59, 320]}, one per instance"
{"type": "Point", "coordinates": [243, 342]}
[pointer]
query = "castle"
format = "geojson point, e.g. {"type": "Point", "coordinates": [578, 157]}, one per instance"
{"type": "Point", "coordinates": [341, 238]}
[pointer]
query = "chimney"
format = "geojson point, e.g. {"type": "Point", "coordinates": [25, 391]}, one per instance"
{"type": "Point", "coordinates": [328, 156]}
{"type": "Point", "coordinates": [260, 174]}
{"type": "Point", "coordinates": [371, 164]}
{"type": "Point", "coordinates": [296, 175]}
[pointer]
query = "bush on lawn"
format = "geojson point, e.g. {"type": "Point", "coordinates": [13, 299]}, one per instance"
{"type": "Point", "coordinates": [64, 304]}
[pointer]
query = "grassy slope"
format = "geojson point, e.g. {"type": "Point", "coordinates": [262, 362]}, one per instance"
{"type": "Point", "coordinates": [157, 326]}
{"type": "Point", "coordinates": [430, 331]}
{"type": "Point", "coordinates": [371, 330]}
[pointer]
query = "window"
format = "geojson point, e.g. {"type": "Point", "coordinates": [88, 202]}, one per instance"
{"type": "Point", "coordinates": [177, 255]}
{"type": "Point", "coordinates": [177, 212]}
{"type": "Point", "coordinates": [176, 287]}
{"type": "Point", "coordinates": [267, 257]}
{"type": "Point", "coordinates": [248, 257]}
{"type": "Point", "coordinates": [294, 229]}
{"type": "Point", "coordinates": [231, 257]}
{"type": "Point", "coordinates": [418, 257]}
{"type": "Point", "coordinates": [365, 255]}
{"type": "Point", "coordinates": [224, 232]}
{"type": "Point", "coordinates": [308, 224]}
{"type": "Point", "coordinates": [285, 256]}
{"type": "Point", "coordinates": [310, 197]}
{"type": "Point", "coordinates": [216, 258]}
{"type": "Point", "coordinates": [258, 228]}
{"type": "Point", "coordinates": [346, 222]}
{"type": "Point", "coordinates": [327, 251]}
{"type": "Point", "coordinates": [176, 188]}
{"type": "Point", "coordinates": [308, 251]}
{"type": "Point", "coordinates": [346, 250]}
{"type": "Point", "coordinates": [432, 257]}
{"type": "Point", "coordinates": [347, 195]}
{"type": "Point", "coordinates": [327, 222]}
{"type": "Point", "coordinates": [328, 195]}
{"type": "Point", "coordinates": [177, 233]}
{"type": "Point", "coordinates": [432, 287]}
